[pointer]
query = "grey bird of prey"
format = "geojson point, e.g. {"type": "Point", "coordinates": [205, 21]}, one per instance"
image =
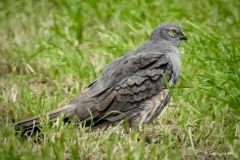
{"type": "Point", "coordinates": [133, 87]}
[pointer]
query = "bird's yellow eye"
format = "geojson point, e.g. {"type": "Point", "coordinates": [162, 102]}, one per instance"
{"type": "Point", "coordinates": [173, 31]}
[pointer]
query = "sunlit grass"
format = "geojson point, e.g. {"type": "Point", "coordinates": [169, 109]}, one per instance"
{"type": "Point", "coordinates": [51, 50]}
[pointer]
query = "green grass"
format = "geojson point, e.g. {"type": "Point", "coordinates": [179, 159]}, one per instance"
{"type": "Point", "coordinates": [51, 50]}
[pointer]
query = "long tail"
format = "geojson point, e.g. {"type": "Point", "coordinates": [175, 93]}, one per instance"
{"type": "Point", "coordinates": [82, 107]}
{"type": "Point", "coordinates": [32, 124]}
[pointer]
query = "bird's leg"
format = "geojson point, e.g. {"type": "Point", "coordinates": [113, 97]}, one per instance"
{"type": "Point", "coordinates": [148, 134]}
{"type": "Point", "coordinates": [127, 126]}
{"type": "Point", "coordinates": [109, 124]}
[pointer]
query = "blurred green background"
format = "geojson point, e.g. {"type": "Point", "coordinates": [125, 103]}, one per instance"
{"type": "Point", "coordinates": [52, 49]}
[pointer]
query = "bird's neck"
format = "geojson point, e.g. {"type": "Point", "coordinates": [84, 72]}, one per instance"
{"type": "Point", "coordinates": [162, 46]}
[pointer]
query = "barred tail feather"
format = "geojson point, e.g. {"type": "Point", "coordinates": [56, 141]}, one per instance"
{"type": "Point", "coordinates": [32, 124]}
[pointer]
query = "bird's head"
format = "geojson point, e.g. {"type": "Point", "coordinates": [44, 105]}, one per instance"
{"type": "Point", "coordinates": [169, 32]}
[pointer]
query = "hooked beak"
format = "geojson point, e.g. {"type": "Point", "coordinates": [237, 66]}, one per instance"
{"type": "Point", "coordinates": [183, 36]}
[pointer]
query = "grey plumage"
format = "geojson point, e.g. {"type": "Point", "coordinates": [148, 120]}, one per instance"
{"type": "Point", "coordinates": [132, 84]}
